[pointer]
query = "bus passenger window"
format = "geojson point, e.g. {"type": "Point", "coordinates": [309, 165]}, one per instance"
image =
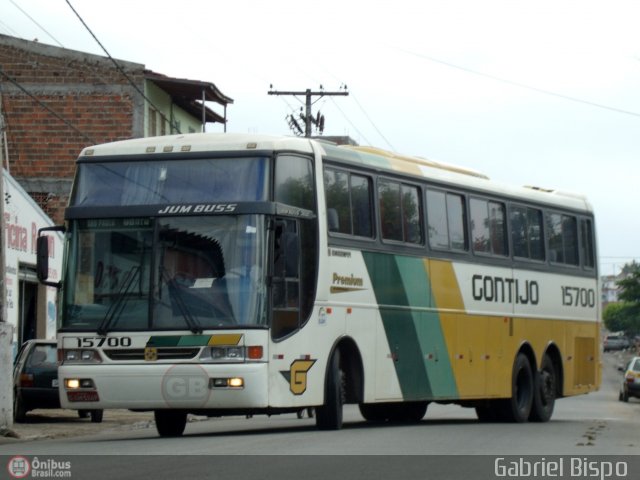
{"type": "Point", "coordinates": [586, 234]}
{"type": "Point", "coordinates": [446, 216]}
{"type": "Point", "coordinates": [336, 185]}
{"type": "Point", "coordinates": [349, 207]}
{"type": "Point", "coordinates": [488, 227]}
{"type": "Point", "coordinates": [390, 211]}
{"type": "Point", "coordinates": [400, 212]}
{"type": "Point", "coordinates": [563, 239]}
{"type": "Point", "coordinates": [526, 233]}
{"type": "Point", "coordinates": [361, 206]}
{"type": "Point", "coordinates": [411, 214]}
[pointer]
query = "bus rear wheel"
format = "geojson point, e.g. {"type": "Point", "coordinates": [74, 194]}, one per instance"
{"type": "Point", "coordinates": [518, 407]}
{"type": "Point", "coordinates": [409, 412]}
{"type": "Point", "coordinates": [544, 395]}
{"type": "Point", "coordinates": [170, 423]}
{"type": "Point", "coordinates": [329, 415]}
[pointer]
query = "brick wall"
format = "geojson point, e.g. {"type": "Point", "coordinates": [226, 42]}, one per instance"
{"type": "Point", "coordinates": [86, 90]}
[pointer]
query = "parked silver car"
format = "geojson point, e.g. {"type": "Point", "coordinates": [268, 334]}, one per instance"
{"type": "Point", "coordinates": [615, 342]}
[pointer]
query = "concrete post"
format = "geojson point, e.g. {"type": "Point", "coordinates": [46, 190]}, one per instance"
{"type": "Point", "coordinates": [6, 376]}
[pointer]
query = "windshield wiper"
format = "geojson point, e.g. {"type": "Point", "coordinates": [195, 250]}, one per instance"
{"type": "Point", "coordinates": [184, 310]}
{"type": "Point", "coordinates": [117, 306]}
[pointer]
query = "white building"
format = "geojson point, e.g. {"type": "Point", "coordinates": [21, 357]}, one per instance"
{"type": "Point", "coordinates": [30, 306]}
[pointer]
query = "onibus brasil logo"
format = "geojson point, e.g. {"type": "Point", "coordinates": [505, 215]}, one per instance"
{"type": "Point", "coordinates": [21, 467]}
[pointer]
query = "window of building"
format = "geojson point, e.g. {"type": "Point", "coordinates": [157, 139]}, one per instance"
{"type": "Point", "coordinates": [527, 233]}
{"type": "Point", "coordinates": [563, 238]}
{"type": "Point", "coordinates": [446, 221]}
{"type": "Point", "coordinates": [488, 227]}
{"type": "Point", "coordinates": [152, 122]}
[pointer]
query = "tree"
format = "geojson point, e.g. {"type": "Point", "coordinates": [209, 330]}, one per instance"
{"type": "Point", "coordinates": [630, 286]}
{"type": "Point", "coordinates": [625, 315]}
{"type": "Point", "coordinates": [619, 317]}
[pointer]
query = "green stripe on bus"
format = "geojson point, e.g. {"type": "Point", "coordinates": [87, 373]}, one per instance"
{"type": "Point", "coordinates": [179, 341]}
{"type": "Point", "coordinates": [414, 334]}
{"type": "Point", "coordinates": [164, 341]}
{"type": "Point", "coordinates": [194, 341]}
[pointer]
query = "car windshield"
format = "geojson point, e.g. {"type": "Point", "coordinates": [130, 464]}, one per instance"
{"type": "Point", "coordinates": [635, 365]}
{"type": "Point", "coordinates": [170, 273]}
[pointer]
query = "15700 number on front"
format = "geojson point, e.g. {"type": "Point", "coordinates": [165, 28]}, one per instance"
{"type": "Point", "coordinates": [93, 342]}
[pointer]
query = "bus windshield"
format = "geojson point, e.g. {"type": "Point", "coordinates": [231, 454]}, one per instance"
{"type": "Point", "coordinates": [128, 183]}
{"type": "Point", "coordinates": [172, 273]}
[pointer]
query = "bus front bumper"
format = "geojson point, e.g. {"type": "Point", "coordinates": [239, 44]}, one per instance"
{"type": "Point", "coordinates": [179, 386]}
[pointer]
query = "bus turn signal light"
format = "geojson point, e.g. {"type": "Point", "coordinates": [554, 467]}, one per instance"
{"type": "Point", "coordinates": [254, 352]}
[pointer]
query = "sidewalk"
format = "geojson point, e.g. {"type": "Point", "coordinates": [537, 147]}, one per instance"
{"type": "Point", "coordinates": [58, 423]}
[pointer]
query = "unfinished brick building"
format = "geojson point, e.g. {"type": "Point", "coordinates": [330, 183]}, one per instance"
{"type": "Point", "coordinates": [56, 101]}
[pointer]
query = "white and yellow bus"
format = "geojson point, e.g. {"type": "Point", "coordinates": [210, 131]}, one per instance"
{"type": "Point", "coordinates": [221, 274]}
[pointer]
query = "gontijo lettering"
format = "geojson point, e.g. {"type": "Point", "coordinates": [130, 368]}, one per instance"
{"type": "Point", "coordinates": [505, 290]}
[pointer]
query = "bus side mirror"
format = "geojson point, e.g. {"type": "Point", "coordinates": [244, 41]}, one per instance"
{"type": "Point", "coordinates": [42, 255]}
{"type": "Point", "coordinates": [42, 259]}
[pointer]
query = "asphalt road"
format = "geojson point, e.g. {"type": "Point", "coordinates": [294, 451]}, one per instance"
{"type": "Point", "coordinates": [582, 428]}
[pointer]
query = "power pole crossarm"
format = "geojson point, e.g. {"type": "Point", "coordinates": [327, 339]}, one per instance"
{"type": "Point", "coordinates": [308, 94]}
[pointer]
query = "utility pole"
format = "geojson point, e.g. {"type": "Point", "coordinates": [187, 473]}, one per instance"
{"type": "Point", "coordinates": [307, 117]}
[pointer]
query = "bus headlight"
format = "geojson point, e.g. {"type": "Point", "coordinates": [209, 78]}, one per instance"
{"type": "Point", "coordinates": [231, 354]}
{"type": "Point", "coordinates": [233, 382]}
{"type": "Point", "coordinates": [223, 354]}
{"type": "Point", "coordinates": [81, 356]}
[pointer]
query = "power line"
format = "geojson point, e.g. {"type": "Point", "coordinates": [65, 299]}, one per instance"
{"type": "Point", "coordinates": [374, 125]}
{"type": "Point", "coordinates": [350, 122]}
{"type": "Point", "coordinates": [172, 124]}
{"type": "Point", "coordinates": [522, 85]}
{"type": "Point", "coordinates": [46, 107]}
{"type": "Point", "coordinates": [34, 21]}
{"type": "Point", "coordinates": [8, 29]}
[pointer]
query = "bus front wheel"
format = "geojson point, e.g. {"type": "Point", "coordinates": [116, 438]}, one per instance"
{"type": "Point", "coordinates": [329, 415]}
{"type": "Point", "coordinates": [170, 423]}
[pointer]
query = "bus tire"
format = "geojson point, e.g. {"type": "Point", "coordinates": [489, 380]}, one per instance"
{"type": "Point", "coordinates": [409, 412]}
{"type": "Point", "coordinates": [518, 407]}
{"type": "Point", "coordinates": [544, 393]}
{"type": "Point", "coordinates": [329, 415]}
{"type": "Point", "coordinates": [96, 416]}
{"type": "Point", "coordinates": [403, 412]}
{"type": "Point", "coordinates": [170, 423]}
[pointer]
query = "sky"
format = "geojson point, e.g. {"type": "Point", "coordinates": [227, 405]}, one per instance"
{"type": "Point", "coordinates": [543, 93]}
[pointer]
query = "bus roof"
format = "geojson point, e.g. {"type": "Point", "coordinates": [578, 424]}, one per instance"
{"type": "Point", "coordinates": [369, 157]}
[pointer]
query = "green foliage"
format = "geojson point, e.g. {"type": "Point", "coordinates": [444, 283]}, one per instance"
{"type": "Point", "coordinates": [621, 317]}
{"type": "Point", "coordinates": [625, 315]}
{"type": "Point", "coordinates": [630, 287]}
